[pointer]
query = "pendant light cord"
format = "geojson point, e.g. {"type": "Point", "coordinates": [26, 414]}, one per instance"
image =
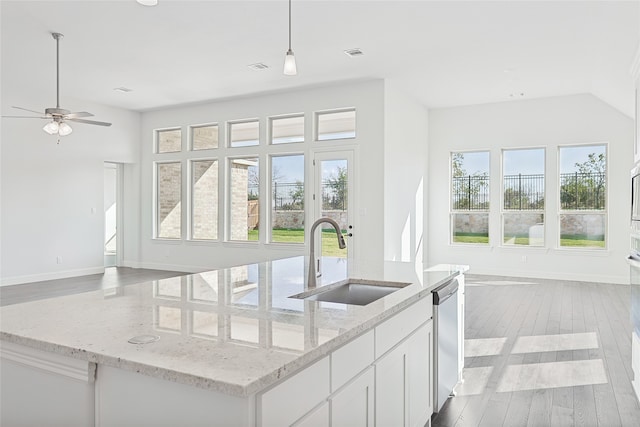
{"type": "Point", "coordinates": [58, 72]}
{"type": "Point", "coordinates": [289, 24]}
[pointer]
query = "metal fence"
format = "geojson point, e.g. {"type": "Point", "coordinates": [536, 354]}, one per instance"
{"type": "Point", "coordinates": [290, 195]}
{"type": "Point", "coordinates": [578, 191]}
{"type": "Point", "coordinates": [524, 192]}
{"type": "Point", "coordinates": [470, 192]}
{"type": "Point", "coordinates": [583, 191]}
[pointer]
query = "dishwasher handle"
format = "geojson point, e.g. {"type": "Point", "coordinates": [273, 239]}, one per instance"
{"type": "Point", "coordinates": [444, 292]}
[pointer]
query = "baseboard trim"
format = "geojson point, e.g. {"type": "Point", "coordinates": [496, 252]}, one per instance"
{"type": "Point", "coordinates": [17, 280]}
{"type": "Point", "coordinates": [619, 280]}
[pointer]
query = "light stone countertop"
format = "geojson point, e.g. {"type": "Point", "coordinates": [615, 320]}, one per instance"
{"type": "Point", "coordinates": [232, 330]}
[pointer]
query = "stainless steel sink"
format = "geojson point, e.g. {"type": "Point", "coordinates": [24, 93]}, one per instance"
{"type": "Point", "coordinates": [352, 291]}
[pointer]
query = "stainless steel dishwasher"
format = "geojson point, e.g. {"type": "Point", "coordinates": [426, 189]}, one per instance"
{"type": "Point", "coordinates": [445, 336]}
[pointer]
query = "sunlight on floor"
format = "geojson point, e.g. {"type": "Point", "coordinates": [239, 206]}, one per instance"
{"type": "Point", "coordinates": [552, 375]}
{"type": "Point", "coordinates": [531, 376]}
{"type": "Point", "coordinates": [483, 346]}
{"type": "Point", "coordinates": [560, 342]}
{"type": "Point", "coordinates": [475, 381]}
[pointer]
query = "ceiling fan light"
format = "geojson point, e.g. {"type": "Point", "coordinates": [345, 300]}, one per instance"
{"type": "Point", "coordinates": [290, 68]}
{"type": "Point", "coordinates": [64, 129]}
{"type": "Point", "coordinates": [51, 128]}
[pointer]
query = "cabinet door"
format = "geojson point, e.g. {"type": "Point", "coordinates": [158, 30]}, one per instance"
{"type": "Point", "coordinates": [353, 405]}
{"type": "Point", "coordinates": [391, 388]}
{"type": "Point", "coordinates": [419, 378]}
{"type": "Point", "coordinates": [317, 418]}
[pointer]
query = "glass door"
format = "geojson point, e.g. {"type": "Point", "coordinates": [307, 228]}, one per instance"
{"type": "Point", "coordinates": [333, 198]}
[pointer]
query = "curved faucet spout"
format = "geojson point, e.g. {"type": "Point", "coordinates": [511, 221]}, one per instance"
{"type": "Point", "coordinates": [311, 282]}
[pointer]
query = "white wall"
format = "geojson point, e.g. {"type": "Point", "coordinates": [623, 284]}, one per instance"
{"type": "Point", "coordinates": [545, 122]}
{"type": "Point", "coordinates": [52, 194]}
{"type": "Point", "coordinates": [405, 153]}
{"type": "Point", "coordinates": [366, 97]}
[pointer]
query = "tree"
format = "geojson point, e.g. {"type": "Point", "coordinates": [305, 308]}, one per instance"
{"type": "Point", "coordinates": [469, 190]}
{"type": "Point", "coordinates": [297, 196]}
{"type": "Point", "coordinates": [585, 188]}
{"type": "Point", "coordinates": [336, 184]}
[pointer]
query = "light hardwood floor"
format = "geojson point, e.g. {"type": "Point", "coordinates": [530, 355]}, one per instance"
{"type": "Point", "coordinates": [544, 353]}
{"type": "Point", "coordinates": [113, 277]}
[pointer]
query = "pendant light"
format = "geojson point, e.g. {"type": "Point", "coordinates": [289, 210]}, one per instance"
{"type": "Point", "coordinates": [289, 59]}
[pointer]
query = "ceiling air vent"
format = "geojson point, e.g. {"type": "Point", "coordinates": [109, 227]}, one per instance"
{"type": "Point", "coordinates": [258, 66]}
{"type": "Point", "coordinates": [353, 52]}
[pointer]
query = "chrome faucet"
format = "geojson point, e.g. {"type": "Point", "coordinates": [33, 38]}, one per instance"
{"type": "Point", "coordinates": [311, 283]}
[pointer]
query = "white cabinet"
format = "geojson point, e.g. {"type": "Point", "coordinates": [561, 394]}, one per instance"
{"type": "Point", "coordinates": [317, 418]}
{"type": "Point", "coordinates": [352, 406]}
{"type": "Point", "coordinates": [404, 381]}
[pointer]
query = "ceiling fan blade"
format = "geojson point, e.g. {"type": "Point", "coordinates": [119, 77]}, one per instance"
{"type": "Point", "coordinates": [90, 122]}
{"type": "Point", "coordinates": [26, 109]}
{"type": "Point", "coordinates": [26, 117]}
{"type": "Point", "coordinates": [78, 114]}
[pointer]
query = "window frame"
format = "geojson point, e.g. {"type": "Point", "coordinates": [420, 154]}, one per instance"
{"type": "Point", "coordinates": [156, 140]}
{"type": "Point", "coordinates": [453, 212]}
{"type": "Point", "coordinates": [270, 121]}
{"type": "Point", "coordinates": [270, 201]}
{"type": "Point", "coordinates": [229, 133]}
{"type": "Point", "coordinates": [316, 123]}
{"type": "Point", "coordinates": [542, 211]}
{"type": "Point", "coordinates": [156, 200]}
{"type": "Point", "coordinates": [191, 128]}
{"type": "Point", "coordinates": [191, 197]}
{"type": "Point", "coordinates": [604, 212]}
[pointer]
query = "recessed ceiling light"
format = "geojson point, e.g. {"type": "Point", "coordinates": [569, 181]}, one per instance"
{"type": "Point", "coordinates": [353, 52]}
{"type": "Point", "coordinates": [258, 66]}
{"type": "Point", "coordinates": [122, 89]}
{"type": "Point", "coordinates": [148, 2]}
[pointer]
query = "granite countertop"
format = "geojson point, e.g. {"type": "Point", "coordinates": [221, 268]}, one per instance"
{"type": "Point", "coordinates": [232, 330]}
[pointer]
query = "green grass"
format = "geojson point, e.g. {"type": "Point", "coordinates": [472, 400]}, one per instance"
{"type": "Point", "coordinates": [329, 241]}
{"type": "Point", "coordinates": [578, 241]}
{"type": "Point", "coordinates": [478, 238]}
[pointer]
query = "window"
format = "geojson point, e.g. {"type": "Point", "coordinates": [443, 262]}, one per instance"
{"type": "Point", "coordinates": [204, 199]}
{"type": "Point", "coordinates": [244, 134]}
{"type": "Point", "coordinates": [336, 125]}
{"type": "Point", "coordinates": [244, 197]}
{"type": "Point", "coordinates": [470, 197]}
{"type": "Point", "coordinates": [287, 202]}
{"type": "Point", "coordinates": [168, 196]}
{"type": "Point", "coordinates": [286, 130]}
{"type": "Point", "coordinates": [168, 141]}
{"type": "Point", "coordinates": [583, 196]}
{"type": "Point", "coordinates": [523, 197]}
{"type": "Point", "coordinates": [204, 137]}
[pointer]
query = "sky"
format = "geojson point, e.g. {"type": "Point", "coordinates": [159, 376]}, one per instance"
{"type": "Point", "coordinates": [530, 161]}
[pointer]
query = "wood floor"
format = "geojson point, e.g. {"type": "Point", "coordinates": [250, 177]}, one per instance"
{"type": "Point", "coordinates": [574, 371]}
{"type": "Point", "coordinates": [113, 277]}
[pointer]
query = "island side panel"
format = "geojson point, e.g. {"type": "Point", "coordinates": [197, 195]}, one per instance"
{"type": "Point", "coordinates": [40, 388]}
{"type": "Point", "coordinates": [126, 398]}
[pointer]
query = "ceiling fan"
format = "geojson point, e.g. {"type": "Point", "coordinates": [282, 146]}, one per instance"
{"type": "Point", "coordinates": [59, 116]}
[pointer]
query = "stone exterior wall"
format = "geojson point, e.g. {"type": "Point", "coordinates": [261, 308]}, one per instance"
{"type": "Point", "coordinates": [582, 224]}
{"type": "Point", "coordinates": [205, 199]}
{"type": "Point", "coordinates": [169, 194]}
{"type": "Point", "coordinates": [238, 196]}
{"type": "Point", "coordinates": [520, 223]}
{"type": "Point", "coordinates": [477, 222]}
{"type": "Point", "coordinates": [295, 219]}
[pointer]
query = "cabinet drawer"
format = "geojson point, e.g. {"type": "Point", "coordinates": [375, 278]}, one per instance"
{"type": "Point", "coordinates": [291, 399]}
{"type": "Point", "coordinates": [393, 330]}
{"type": "Point", "coordinates": [351, 359]}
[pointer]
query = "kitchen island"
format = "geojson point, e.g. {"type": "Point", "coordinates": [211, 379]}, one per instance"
{"type": "Point", "coordinates": [233, 349]}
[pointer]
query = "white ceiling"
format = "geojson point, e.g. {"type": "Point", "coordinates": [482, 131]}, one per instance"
{"type": "Point", "coordinates": [445, 53]}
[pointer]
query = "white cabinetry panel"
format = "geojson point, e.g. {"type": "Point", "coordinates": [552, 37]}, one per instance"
{"type": "Point", "coordinates": [293, 398]}
{"type": "Point", "coordinates": [350, 359]}
{"type": "Point", "coordinates": [353, 405]}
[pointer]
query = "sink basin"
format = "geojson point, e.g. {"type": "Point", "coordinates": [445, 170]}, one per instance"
{"type": "Point", "coordinates": [352, 292]}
